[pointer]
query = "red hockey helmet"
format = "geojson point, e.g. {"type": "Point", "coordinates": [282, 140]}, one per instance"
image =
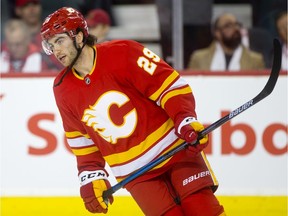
{"type": "Point", "coordinates": [64, 20]}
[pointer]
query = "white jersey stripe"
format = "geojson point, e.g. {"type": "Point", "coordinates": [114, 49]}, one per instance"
{"type": "Point", "coordinates": [79, 142]}
{"type": "Point", "coordinates": [125, 169]}
{"type": "Point", "coordinates": [179, 83]}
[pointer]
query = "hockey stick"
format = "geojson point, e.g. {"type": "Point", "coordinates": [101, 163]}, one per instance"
{"type": "Point", "coordinates": [268, 88]}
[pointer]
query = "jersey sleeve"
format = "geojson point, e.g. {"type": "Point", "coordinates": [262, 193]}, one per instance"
{"type": "Point", "coordinates": [159, 82]}
{"type": "Point", "coordinates": [87, 153]}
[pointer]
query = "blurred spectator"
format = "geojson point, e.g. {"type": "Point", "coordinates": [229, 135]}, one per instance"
{"type": "Point", "coordinates": [30, 12]}
{"type": "Point", "coordinates": [226, 52]}
{"type": "Point", "coordinates": [264, 12]}
{"type": "Point", "coordinates": [281, 24]}
{"type": "Point", "coordinates": [99, 23]}
{"type": "Point", "coordinates": [18, 54]}
{"type": "Point", "coordinates": [87, 5]}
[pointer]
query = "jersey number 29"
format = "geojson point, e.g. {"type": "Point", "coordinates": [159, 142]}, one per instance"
{"type": "Point", "coordinates": [147, 61]}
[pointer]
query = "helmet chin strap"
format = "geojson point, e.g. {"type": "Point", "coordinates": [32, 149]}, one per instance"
{"type": "Point", "coordinates": [79, 50]}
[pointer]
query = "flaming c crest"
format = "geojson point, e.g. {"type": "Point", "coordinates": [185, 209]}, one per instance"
{"type": "Point", "coordinates": [98, 117]}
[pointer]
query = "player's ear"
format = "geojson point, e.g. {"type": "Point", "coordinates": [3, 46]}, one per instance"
{"type": "Point", "coordinates": [79, 37]}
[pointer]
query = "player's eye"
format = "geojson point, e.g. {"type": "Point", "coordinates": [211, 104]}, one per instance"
{"type": "Point", "coordinates": [60, 41]}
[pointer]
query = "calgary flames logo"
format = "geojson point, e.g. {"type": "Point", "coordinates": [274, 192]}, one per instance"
{"type": "Point", "coordinates": [99, 118]}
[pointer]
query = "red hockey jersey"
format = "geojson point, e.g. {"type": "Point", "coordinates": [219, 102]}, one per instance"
{"type": "Point", "coordinates": [123, 111]}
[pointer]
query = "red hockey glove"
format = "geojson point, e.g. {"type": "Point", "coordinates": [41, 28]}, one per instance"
{"type": "Point", "coordinates": [188, 130]}
{"type": "Point", "coordinates": [93, 184]}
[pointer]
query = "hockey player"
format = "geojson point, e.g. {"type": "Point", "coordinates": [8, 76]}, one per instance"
{"type": "Point", "coordinates": [121, 104]}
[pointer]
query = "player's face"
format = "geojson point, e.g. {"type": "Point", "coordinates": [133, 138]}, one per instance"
{"type": "Point", "coordinates": [63, 48]}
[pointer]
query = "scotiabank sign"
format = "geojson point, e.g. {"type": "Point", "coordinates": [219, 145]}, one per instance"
{"type": "Point", "coordinates": [248, 154]}
{"type": "Point", "coordinates": [227, 131]}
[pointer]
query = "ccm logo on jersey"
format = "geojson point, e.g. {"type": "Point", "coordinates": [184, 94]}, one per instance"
{"type": "Point", "coordinates": [195, 177]}
{"type": "Point", "coordinates": [89, 176]}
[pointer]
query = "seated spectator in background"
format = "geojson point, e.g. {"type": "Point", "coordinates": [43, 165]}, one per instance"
{"type": "Point", "coordinates": [99, 23]}
{"type": "Point", "coordinates": [226, 51]}
{"type": "Point", "coordinates": [18, 54]}
{"type": "Point", "coordinates": [87, 5]}
{"type": "Point", "coordinates": [30, 11]}
{"type": "Point", "coordinates": [281, 24]}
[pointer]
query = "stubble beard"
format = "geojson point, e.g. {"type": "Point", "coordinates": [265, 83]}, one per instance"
{"type": "Point", "coordinates": [71, 56]}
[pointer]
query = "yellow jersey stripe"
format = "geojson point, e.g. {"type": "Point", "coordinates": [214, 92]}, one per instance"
{"type": "Point", "coordinates": [170, 148]}
{"type": "Point", "coordinates": [165, 84]}
{"type": "Point", "coordinates": [137, 162]}
{"type": "Point", "coordinates": [173, 93]}
{"type": "Point", "coordinates": [74, 134]}
{"type": "Point", "coordinates": [85, 151]}
{"type": "Point", "coordinates": [215, 181]}
{"type": "Point", "coordinates": [177, 143]}
{"type": "Point", "coordinates": [133, 152]}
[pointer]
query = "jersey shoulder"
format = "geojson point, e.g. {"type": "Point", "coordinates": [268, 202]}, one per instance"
{"type": "Point", "coordinates": [120, 44]}
{"type": "Point", "coordinates": [118, 52]}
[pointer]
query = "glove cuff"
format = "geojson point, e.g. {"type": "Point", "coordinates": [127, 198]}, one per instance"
{"type": "Point", "coordinates": [86, 177]}
{"type": "Point", "coordinates": [185, 121]}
